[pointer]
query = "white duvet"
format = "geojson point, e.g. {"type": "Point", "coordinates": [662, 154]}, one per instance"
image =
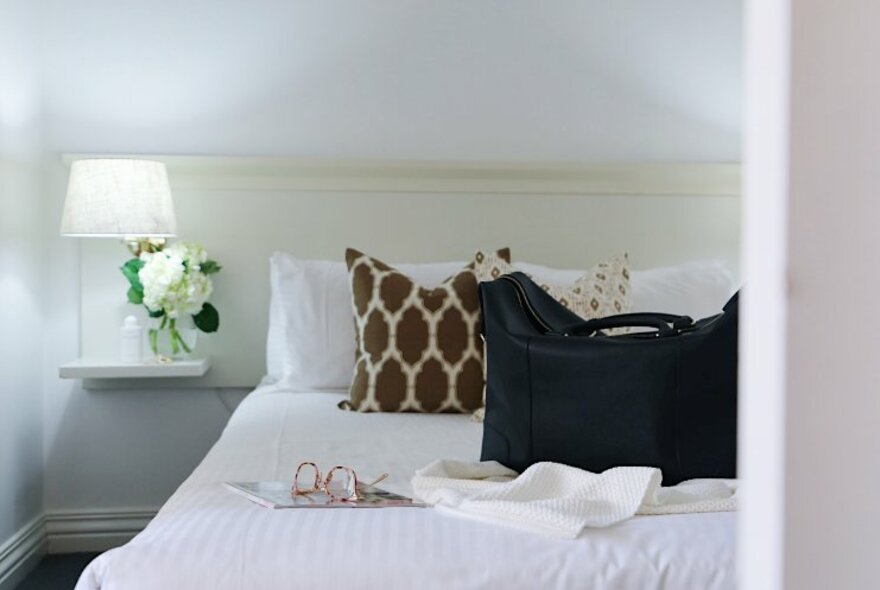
{"type": "Point", "coordinates": [207, 537]}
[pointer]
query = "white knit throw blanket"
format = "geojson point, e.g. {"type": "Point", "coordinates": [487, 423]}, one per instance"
{"type": "Point", "coordinates": [560, 501]}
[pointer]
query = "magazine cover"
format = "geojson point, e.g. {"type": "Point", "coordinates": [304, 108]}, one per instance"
{"type": "Point", "coordinates": [276, 494]}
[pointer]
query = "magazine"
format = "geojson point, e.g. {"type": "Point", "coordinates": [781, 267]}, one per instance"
{"type": "Point", "coordinates": [276, 494]}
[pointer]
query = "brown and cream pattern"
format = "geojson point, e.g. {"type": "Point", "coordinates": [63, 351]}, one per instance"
{"type": "Point", "coordinates": [418, 350]}
{"type": "Point", "coordinates": [602, 291]}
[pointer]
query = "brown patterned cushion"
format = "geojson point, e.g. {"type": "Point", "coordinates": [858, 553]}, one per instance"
{"type": "Point", "coordinates": [418, 350]}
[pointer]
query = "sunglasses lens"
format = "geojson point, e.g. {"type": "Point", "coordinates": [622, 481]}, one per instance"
{"type": "Point", "coordinates": [341, 483]}
{"type": "Point", "coordinates": [306, 476]}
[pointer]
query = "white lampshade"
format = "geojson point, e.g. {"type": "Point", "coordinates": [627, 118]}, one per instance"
{"type": "Point", "coordinates": [118, 198]}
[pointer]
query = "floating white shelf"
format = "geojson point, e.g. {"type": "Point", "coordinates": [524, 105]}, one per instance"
{"type": "Point", "coordinates": [112, 369]}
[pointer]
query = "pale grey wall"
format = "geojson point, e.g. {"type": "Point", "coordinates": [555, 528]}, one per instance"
{"type": "Point", "coordinates": [439, 79]}
{"type": "Point", "coordinates": [435, 79]}
{"type": "Point", "coordinates": [21, 285]}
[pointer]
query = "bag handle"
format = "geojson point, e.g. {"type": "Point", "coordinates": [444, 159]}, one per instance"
{"type": "Point", "coordinates": [666, 324]}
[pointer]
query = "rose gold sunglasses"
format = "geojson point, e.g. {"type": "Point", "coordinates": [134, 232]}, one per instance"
{"type": "Point", "coordinates": [341, 483]}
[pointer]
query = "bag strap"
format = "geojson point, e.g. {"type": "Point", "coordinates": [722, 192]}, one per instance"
{"type": "Point", "coordinates": [531, 294]}
{"type": "Point", "coordinates": [665, 324]}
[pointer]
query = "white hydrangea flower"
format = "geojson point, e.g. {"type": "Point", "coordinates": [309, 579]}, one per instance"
{"type": "Point", "coordinates": [192, 253]}
{"type": "Point", "coordinates": [173, 281]}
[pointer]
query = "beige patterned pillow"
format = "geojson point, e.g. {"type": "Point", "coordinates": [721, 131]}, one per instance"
{"type": "Point", "coordinates": [418, 350]}
{"type": "Point", "coordinates": [602, 291]}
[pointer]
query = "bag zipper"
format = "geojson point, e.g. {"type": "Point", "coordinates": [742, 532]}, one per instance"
{"type": "Point", "coordinates": [526, 304]}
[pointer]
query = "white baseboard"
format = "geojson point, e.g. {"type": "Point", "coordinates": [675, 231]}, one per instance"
{"type": "Point", "coordinates": [72, 531]}
{"type": "Point", "coordinates": [68, 531]}
{"type": "Point", "coordinates": [21, 553]}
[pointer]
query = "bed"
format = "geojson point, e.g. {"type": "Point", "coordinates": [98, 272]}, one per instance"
{"type": "Point", "coordinates": [207, 537]}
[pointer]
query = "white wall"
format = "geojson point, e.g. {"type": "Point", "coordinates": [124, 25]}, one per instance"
{"type": "Point", "coordinates": [21, 219]}
{"type": "Point", "coordinates": [440, 79]}
{"type": "Point", "coordinates": [434, 79]}
{"type": "Point", "coordinates": [812, 517]}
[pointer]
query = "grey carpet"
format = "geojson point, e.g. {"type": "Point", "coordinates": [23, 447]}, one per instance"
{"type": "Point", "coordinates": [57, 572]}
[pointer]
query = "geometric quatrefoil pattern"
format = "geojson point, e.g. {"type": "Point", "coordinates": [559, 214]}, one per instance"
{"type": "Point", "coordinates": [418, 350]}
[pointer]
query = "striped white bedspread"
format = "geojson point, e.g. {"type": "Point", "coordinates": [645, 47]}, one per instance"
{"type": "Point", "coordinates": [207, 537]}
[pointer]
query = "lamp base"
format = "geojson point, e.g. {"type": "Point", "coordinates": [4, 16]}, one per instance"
{"type": "Point", "coordinates": [137, 246]}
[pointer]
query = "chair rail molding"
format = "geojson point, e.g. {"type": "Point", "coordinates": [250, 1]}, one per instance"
{"type": "Point", "coordinates": [582, 178]}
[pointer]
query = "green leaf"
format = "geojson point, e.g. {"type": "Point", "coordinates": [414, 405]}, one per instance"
{"type": "Point", "coordinates": [135, 296]}
{"type": "Point", "coordinates": [154, 314]}
{"type": "Point", "coordinates": [207, 320]}
{"type": "Point", "coordinates": [131, 269]}
{"type": "Point", "coordinates": [210, 267]}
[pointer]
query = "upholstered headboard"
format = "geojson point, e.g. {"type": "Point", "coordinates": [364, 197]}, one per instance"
{"type": "Point", "coordinates": [566, 215]}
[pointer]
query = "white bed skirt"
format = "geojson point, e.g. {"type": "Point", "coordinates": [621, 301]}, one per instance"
{"type": "Point", "coordinates": [207, 537]}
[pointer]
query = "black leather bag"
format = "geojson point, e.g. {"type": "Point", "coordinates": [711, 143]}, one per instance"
{"type": "Point", "coordinates": [562, 389]}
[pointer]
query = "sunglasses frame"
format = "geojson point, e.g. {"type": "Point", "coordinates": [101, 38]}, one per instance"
{"type": "Point", "coordinates": [323, 484]}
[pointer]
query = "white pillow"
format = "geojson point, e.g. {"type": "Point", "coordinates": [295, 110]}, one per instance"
{"type": "Point", "coordinates": [698, 289]}
{"type": "Point", "coordinates": [311, 340]}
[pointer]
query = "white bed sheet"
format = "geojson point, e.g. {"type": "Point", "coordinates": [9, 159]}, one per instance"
{"type": "Point", "coordinates": [207, 537]}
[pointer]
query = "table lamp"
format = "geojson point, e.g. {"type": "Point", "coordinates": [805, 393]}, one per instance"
{"type": "Point", "coordinates": [124, 198]}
